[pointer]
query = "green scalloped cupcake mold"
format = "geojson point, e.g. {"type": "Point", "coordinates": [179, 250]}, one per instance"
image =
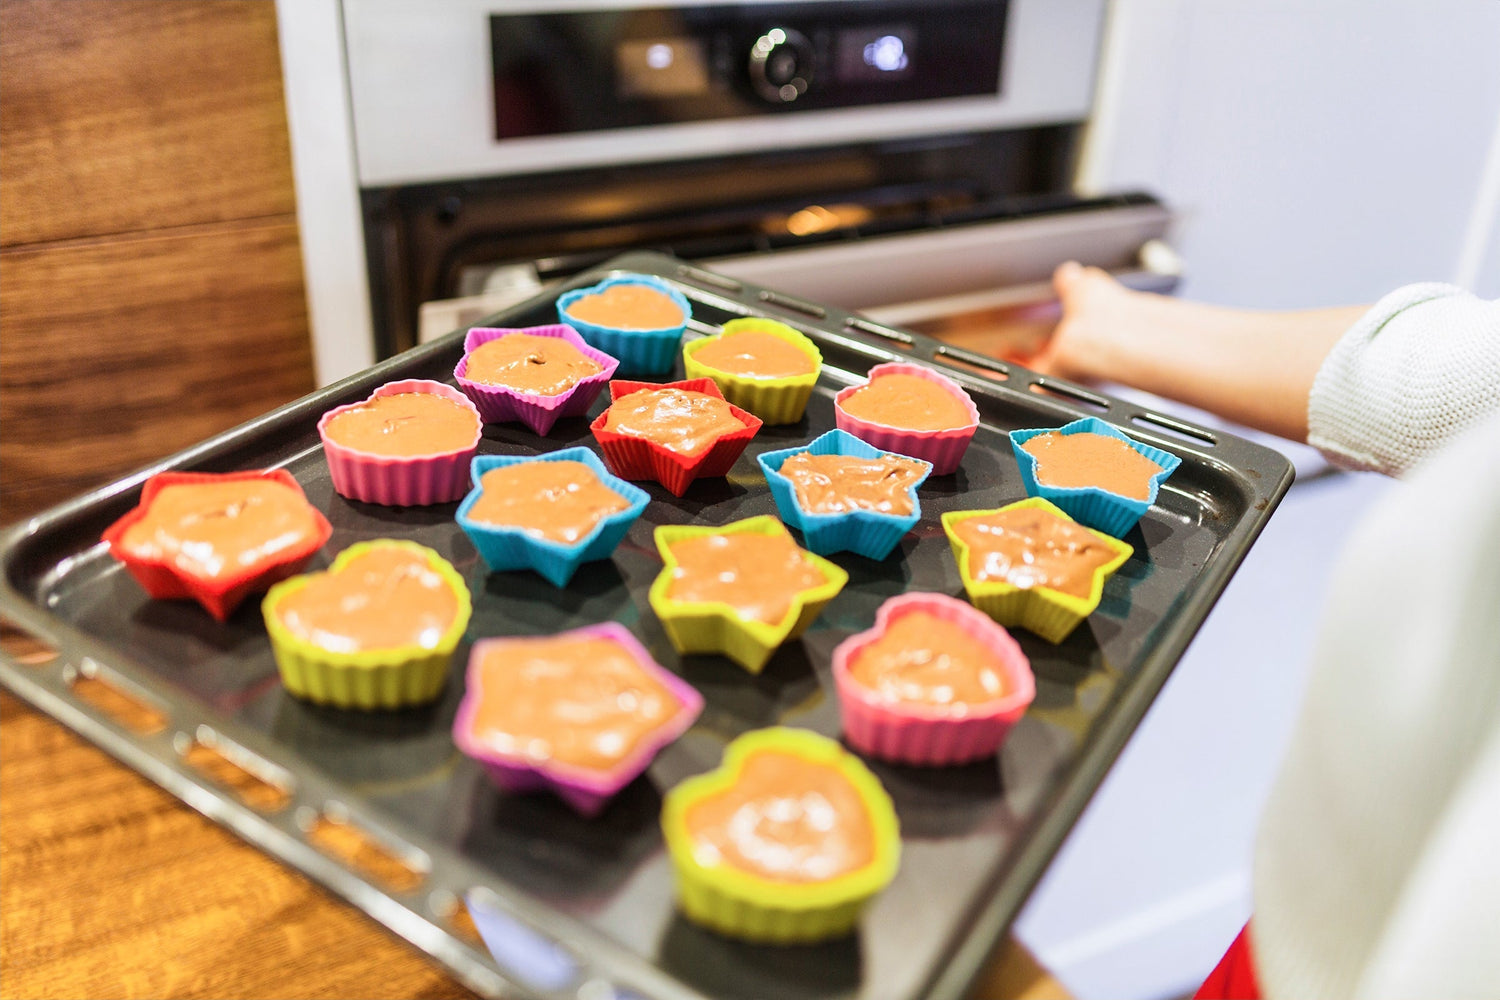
{"type": "Point", "coordinates": [746, 905]}
{"type": "Point", "coordinates": [371, 679]}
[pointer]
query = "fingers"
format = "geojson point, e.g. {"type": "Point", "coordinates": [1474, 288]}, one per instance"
{"type": "Point", "coordinates": [1065, 280]}
{"type": "Point", "coordinates": [1089, 306]}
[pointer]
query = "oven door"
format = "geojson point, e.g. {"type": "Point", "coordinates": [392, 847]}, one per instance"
{"type": "Point", "coordinates": [982, 283]}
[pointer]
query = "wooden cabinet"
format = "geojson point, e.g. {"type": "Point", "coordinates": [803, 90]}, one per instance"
{"type": "Point", "coordinates": [151, 288]}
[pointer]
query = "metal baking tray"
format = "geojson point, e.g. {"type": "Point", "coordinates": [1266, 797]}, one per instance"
{"type": "Point", "coordinates": [589, 902]}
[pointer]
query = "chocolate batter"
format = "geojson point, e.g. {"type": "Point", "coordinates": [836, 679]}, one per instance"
{"type": "Point", "coordinates": [405, 425]}
{"type": "Point", "coordinates": [679, 420]}
{"type": "Point", "coordinates": [584, 702]}
{"type": "Point", "coordinates": [786, 819]}
{"type": "Point", "coordinates": [545, 366]}
{"type": "Point", "coordinates": [1029, 547]}
{"type": "Point", "coordinates": [928, 660]}
{"type": "Point", "coordinates": [757, 575]}
{"type": "Point", "coordinates": [836, 484]}
{"type": "Point", "coordinates": [629, 307]}
{"type": "Point", "coordinates": [907, 402]}
{"type": "Point", "coordinates": [219, 530]}
{"type": "Point", "coordinates": [558, 501]}
{"type": "Point", "coordinates": [382, 599]}
{"type": "Point", "coordinates": [1088, 459]}
{"type": "Point", "coordinates": [753, 354]}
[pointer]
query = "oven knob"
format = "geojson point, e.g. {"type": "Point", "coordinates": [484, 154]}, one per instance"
{"type": "Point", "coordinates": [781, 63]}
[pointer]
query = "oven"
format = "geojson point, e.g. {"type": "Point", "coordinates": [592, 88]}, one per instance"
{"type": "Point", "coordinates": [912, 160]}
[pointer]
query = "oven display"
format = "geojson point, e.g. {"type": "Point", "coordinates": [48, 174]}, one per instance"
{"type": "Point", "coordinates": [876, 55]}
{"type": "Point", "coordinates": [660, 67]}
{"type": "Point", "coordinates": [566, 71]}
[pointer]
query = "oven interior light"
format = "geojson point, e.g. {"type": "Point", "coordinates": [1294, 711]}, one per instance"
{"type": "Point", "coordinates": [820, 218]}
{"type": "Point", "coordinates": [887, 54]}
{"type": "Point", "coordinates": [659, 56]}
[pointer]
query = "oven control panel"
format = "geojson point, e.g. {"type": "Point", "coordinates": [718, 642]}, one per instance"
{"type": "Point", "coordinates": [561, 72]}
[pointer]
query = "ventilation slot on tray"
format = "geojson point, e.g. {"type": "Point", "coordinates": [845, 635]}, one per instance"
{"type": "Point", "coordinates": [1175, 428]}
{"type": "Point", "coordinates": [256, 782]}
{"type": "Point", "coordinates": [1072, 393]}
{"type": "Point", "coordinates": [992, 368]}
{"type": "Point", "coordinates": [116, 698]}
{"type": "Point", "coordinates": [793, 305]}
{"type": "Point", "coordinates": [895, 337]}
{"type": "Point", "coordinates": [398, 869]}
{"type": "Point", "coordinates": [24, 648]}
{"type": "Point", "coordinates": [709, 278]}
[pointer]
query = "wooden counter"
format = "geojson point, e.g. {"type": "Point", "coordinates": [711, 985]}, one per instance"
{"type": "Point", "coordinates": [110, 887]}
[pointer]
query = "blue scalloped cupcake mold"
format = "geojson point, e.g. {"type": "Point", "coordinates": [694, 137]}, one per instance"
{"type": "Point", "coordinates": [1093, 506]}
{"type": "Point", "coordinates": [504, 548]}
{"type": "Point", "coordinates": [640, 352]}
{"type": "Point", "coordinates": [864, 532]}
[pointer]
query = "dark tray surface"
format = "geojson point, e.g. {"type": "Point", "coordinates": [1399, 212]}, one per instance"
{"type": "Point", "coordinates": [975, 838]}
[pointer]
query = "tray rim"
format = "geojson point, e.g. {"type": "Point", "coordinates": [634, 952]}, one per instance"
{"type": "Point", "coordinates": [282, 834]}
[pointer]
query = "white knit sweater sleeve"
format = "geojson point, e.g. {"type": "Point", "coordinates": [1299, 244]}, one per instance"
{"type": "Point", "coordinates": [1377, 870]}
{"type": "Point", "coordinates": [1414, 371]}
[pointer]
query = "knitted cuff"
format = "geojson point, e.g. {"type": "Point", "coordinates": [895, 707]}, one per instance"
{"type": "Point", "coordinates": [1416, 369]}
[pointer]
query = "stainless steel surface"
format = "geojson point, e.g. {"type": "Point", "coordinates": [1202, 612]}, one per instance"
{"type": "Point", "coordinates": [975, 259]}
{"type": "Point", "coordinates": [419, 80]}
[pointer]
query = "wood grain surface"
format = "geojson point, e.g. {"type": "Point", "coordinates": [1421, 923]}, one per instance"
{"type": "Point", "coordinates": [119, 351]}
{"type": "Point", "coordinates": [110, 887]}
{"type": "Point", "coordinates": [151, 285]}
{"type": "Point", "coordinates": [128, 115]}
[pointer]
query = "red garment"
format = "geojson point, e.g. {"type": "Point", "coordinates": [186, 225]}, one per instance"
{"type": "Point", "coordinates": [1234, 977]}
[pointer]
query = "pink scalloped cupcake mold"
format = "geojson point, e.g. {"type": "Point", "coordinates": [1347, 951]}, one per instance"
{"type": "Point", "coordinates": [498, 404]}
{"type": "Point", "coordinates": [944, 449]}
{"type": "Point", "coordinates": [636, 458]}
{"type": "Point", "coordinates": [586, 790]}
{"type": "Point", "coordinates": [419, 481]}
{"type": "Point", "coordinates": [923, 734]}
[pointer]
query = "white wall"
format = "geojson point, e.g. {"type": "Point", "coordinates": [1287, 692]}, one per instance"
{"type": "Point", "coordinates": [1320, 153]}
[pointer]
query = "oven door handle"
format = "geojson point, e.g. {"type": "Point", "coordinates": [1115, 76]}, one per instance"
{"type": "Point", "coordinates": [1014, 321]}
{"type": "Point", "coordinates": [1158, 269]}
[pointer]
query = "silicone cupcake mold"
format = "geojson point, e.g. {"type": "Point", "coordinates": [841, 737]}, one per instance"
{"type": "Point", "coordinates": [637, 458]}
{"type": "Point", "coordinates": [441, 477]}
{"type": "Point", "coordinates": [944, 449]}
{"type": "Point", "coordinates": [774, 400]}
{"type": "Point", "coordinates": [586, 789]}
{"type": "Point", "coordinates": [511, 548]}
{"type": "Point", "coordinates": [715, 627]}
{"type": "Point", "coordinates": [499, 404]}
{"type": "Point", "coordinates": [741, 903]}
{"type": "Point", "coordinates": [165, 577]}
{"type": "Point", "coordinates": [868, 533]}
{"type": "Point", "coordinates": [911, 732]}
{"type": "Point", "coordinates": [1096, 507]}
{"type": "Point", "coordinates": [1048, 613]}
{"type": "Point", "coordinates": [392, 677]}
{"type": "Point", "coordinates": [641, 352]}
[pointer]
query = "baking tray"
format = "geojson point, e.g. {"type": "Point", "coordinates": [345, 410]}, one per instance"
{"type": "Point", "coordinates": [586, 904]}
